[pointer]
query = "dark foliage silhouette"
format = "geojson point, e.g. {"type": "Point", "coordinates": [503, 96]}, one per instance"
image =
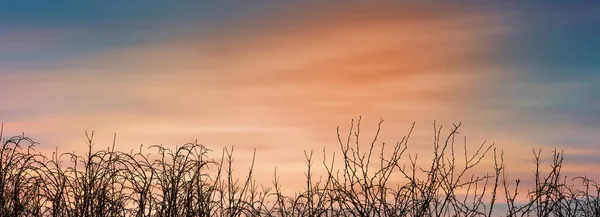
{"type": "Point", "coordinates": [382, 180]}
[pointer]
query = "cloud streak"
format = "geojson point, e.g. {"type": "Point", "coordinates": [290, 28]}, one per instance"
{"type": "Point", "coordinates": [284, 81]}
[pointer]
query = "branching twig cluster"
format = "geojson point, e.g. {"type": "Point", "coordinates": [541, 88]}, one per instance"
{"type": "Point", "coordinates": [377, 181]}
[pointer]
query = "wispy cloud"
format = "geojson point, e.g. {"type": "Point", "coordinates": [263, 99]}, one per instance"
{"type": "Point", "coordinates": [284, 81]}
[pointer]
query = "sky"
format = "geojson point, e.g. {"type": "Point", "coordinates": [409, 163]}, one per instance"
{"type": "Point", "coordinates": [280, 76]}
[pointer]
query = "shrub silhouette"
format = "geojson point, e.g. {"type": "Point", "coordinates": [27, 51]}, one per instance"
{"type": "Point", "coordinates": [159, 181]}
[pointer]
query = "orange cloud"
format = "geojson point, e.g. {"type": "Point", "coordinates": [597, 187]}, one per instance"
{"type": "Point", "coordinates": [281, 84]}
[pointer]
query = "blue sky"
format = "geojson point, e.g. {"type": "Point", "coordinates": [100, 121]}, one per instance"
{"type": "Point", "coordinates": [279, 76]}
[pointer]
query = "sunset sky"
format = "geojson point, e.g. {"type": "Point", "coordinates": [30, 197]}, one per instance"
{"type": "Point", "coordinates": [280, 76]}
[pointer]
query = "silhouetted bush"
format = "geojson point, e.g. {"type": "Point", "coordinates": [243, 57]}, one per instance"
{"type": "Point", "coordinates": [159, 181]}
